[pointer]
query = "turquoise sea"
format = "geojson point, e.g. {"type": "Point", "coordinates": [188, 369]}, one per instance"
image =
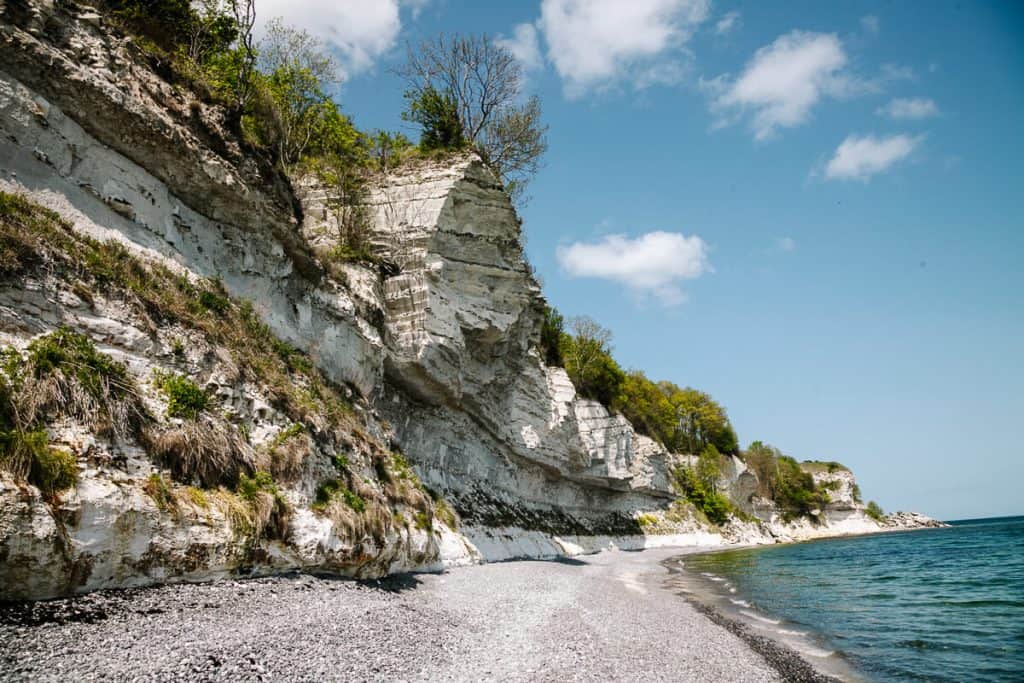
{"type": "Point", "coordinates": [929, 605]}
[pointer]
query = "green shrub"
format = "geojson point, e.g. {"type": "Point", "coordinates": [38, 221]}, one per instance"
{"type": "Point", "coordinates": [856, 493]}
{"type": "Point", "coordinates": [333, 489]}
{"type": "Point", "coordinates": [287, 433]}
{"type": "Point", "coordinates": [647, 522]}
{"type": "Point", "coordinates": [551, 331]}
{"type": "Point", "coordinates": [259, 482]}
{"type": "Point", "coordinates": [437, 114]}
{"type": "Point", "coordinates": [424, 521]}
{"type": "Point", "coordinates": [185, 399]}
{"type": "Point", "coordinates": [714, 505]}
{"type": "Point", "coordinates": [28, 456]}
{"type": "Point", "coordinates": [213, 302]}
{"type": "Point", "coordinates": [74, 354]}
{"type": "Point", "coordinates": [63, 375]}
{"type": "Point", "coordinates": [875, 512]}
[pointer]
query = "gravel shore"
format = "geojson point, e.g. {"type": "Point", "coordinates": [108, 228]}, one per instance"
{"type": "Point", "coordinates": [601, 617]}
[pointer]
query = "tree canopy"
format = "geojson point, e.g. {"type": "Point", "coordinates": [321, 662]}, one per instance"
{"type": "Point", "coordinates": [684, 420]}
{"type": "Point", "coordinates": [467, 90]}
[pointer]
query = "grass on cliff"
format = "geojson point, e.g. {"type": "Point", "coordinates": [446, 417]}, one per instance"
{"type": "Point", "coordinates": [875, 512]}
{"type": "Point", "coordinates": [28, 456]}
{"type": "Point", "coordinates": [33, 236]}
{"type": "Point", "coordinates": [199, 447]}
{"type": "Point", "coordinates": [60, 375]}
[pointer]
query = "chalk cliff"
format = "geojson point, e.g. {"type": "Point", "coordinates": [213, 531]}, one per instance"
{"type": "Point", "coordinates": [428, 358]}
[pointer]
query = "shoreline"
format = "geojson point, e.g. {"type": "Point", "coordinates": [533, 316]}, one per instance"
{"type": "Point", "coordinates": [604, 616]}
{"type": "Point", "coordinates": [784, 657]}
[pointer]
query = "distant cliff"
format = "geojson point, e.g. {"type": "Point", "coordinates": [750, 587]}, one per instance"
{"type": "Point", "coordinates": [210, 399]}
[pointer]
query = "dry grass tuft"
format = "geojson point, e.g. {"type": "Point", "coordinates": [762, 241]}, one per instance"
{"type": "Point", "coordinates": [28, 456]}
{"type": "Point", "coordinates": [65, 376]}
{"type": "Point", "coordinates": [205, 451]}
{"type": "Point", "coordinates": [287, 454]}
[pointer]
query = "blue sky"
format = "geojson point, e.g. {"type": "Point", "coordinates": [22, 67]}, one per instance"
{"type": "Point", "coordinates": [812, 211]}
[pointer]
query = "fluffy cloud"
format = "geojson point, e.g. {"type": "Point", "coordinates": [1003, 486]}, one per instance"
{"type": "Point", "coordinates": [595, 43]}
{"type": "Point", "coordinates": [782, 82]}
{"type": "Point", "coordinates": [651, 264]}
{"type": "Point", "coordinates": [786, 244]}
{"type": "Point", "coordinates": [859, 158]}
{"type": "Point", "coordinates": [870, 24]}
{"type": "Point", "coordinates": [524, 46]}
{"type": "Point", "coordinates": [357, 30]}
{"type": "Point", "coordinates": [913, 108]}
{"type": "Point", "coordinates": [727, 23]}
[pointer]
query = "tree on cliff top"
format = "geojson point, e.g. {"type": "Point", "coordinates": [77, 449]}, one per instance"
{"type": "Point", "coordinates": [480, 83]}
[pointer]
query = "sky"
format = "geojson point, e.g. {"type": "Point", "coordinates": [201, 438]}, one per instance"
{"type": "Point", "coordinates": [812, 211]}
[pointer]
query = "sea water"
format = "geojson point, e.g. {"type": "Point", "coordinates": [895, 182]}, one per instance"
{"type": "Point", "coordinates": [929, 605]}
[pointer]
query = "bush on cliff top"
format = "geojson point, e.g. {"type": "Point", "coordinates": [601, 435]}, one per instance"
{"type": "Point", "coordinates": [683, 420]}
{"type": "Point", "coordinates": [875, 512]}
{"type": "Point", "coordinates": [785, 481]}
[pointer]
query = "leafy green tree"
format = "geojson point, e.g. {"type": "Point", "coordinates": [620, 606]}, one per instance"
{"type": "Point", "coordinates": [715, 506]}
{"type": "Point", "coordinates": [387, 150]}
{"type": "Point", "coordinates": [709, 467]}
{"type": "Point", "coordinates": [551, 331]}
{"type": "Point", "coordinates": [647, 407]}
{"type": "Point", "coordinates": [167, 23]}
{"type": "Point", "coordinates": [875, 512]}
{"type": "Point", "coordinates": [588, 361]}
{"type": "Point", "coordinates": [296, 72]}
{"type": "Point", "coordinates": [783, 480]}
{"type": "Point", "coordinates": [437, 114]}
{"type": "Point", "coordinates": [699, 421]}
{"type": "Point", "coordinates": [480, 82]}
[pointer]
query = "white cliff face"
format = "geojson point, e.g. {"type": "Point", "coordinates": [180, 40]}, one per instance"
{"type": "Point", "coordinates": [467, 393]}
{"type": "Point", "coordinates": [111, 530]}
{"type": "Point", "coordinates": [218, 225]}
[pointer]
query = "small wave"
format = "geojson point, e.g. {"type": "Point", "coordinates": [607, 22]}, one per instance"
{"type": "Point", "coordinates": [792, 633]}
{"type": "Point", "coordinates": [815, 652]}
{"type": "Point", "coordinates": [758, 617]}
{"type": "Point", "coordinates": [741, 603]}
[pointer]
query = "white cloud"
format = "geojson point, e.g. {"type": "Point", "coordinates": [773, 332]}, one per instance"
{"type": "Point", "coordinates": [524, 46]}
{"type": "Point", "coordinates": [859, 158]}
{"type": "Point", "coordinates": [651, 264]}
{"type": "Point", "coordinates": [596, 43]}
{"type": "Point", "coordinates": [786, 244]}
{"type": "Point", "coordinates": [870, 24]}
{"type": "Point", "coordinates": [357, 30]}
{"type": "Point", "coordinates": [782, 83]}
{"type": "Point", "coordinates": [912, 108]}
{"type": "Point", "coordinates": [727, 23]}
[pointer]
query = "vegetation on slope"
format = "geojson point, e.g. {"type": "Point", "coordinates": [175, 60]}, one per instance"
{"type": "Point", "coordinates": [463, 93]}
{"type": "Point", "coordinates": [683, 420]}
{"type": "Point", "coordinates": [787, 482]}
{"type": "Point", "coordinates": [209, 457]}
